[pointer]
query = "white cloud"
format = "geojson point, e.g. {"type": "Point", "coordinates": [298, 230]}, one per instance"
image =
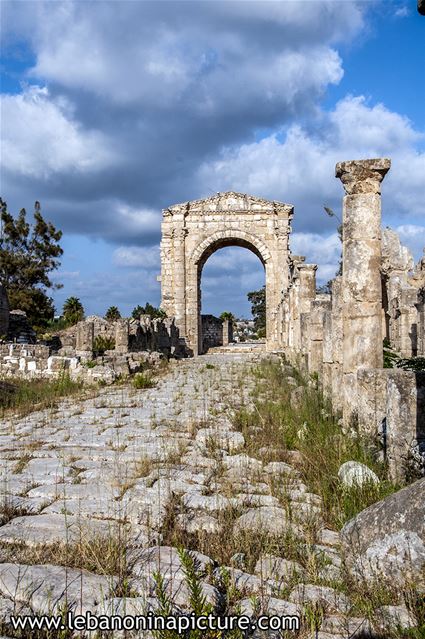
{"type": "Point", "coordinates": [161, 54]}
{"type": "Point", "coordinates": [40, 137]}
{"type": "Point", "coordinates": [413, 236]}
{"type": "Point", "coordinates": [318, 249]}
{"type": "Point", "coordinates": [298, 166]}
{"type": "Point", "coordinates": [137, 220]}
{"type": "Point", "coordinates": [137, 256]}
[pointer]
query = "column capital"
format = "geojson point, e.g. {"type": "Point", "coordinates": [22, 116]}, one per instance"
{"type": "Point", "coordinates": [362, 176]}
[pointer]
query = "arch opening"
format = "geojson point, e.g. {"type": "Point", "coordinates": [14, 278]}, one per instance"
{"type": "Point", "coordinates": [227, 271]}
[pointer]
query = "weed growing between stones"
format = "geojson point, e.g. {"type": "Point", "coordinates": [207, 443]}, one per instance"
{"type": "Point", "coordinates": [143, 380]}
{"type": "Point", "coordinates": [9, 510]}
{"type": "Point", "coordinates": [198, 604]}
{"type": "Point", "coordinates": [100, 554]}
{"type": "Point", "coordinates": [310, 427]}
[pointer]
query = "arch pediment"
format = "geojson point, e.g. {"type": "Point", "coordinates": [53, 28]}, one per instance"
{"type": "Point", "coordinates": [230, 201]}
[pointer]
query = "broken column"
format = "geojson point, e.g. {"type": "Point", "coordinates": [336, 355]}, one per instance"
{"type": "Point", "coordinates": [315, 350]}
{"type": "Point", "coordinates": [361, 277]}
{"type": "Point", "coordinates": [121, 335]}
{"type": "Point", "coordinates": [227, 332]}
{"type": "Point", "coordinates": [84, 340]}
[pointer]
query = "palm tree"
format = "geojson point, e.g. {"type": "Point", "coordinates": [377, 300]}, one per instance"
{"type": "Point", "coordinates": [73, 310]}
{"type": "Point", "coordinates": [227, 315]}
{"type": "Point", "coordinates": [112, 314]}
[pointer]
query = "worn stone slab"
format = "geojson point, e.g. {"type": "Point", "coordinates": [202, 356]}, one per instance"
{"type": "Point", "coordinates": [277, 568]}
{"type": "Point", "coordinates": [328, 597]}
{"type": "Point", "coordinates": [46, 588]}
{"type": "Point", "coordinates": [36, 530]}
{"type": "Point", "coordinates": [265, 519]}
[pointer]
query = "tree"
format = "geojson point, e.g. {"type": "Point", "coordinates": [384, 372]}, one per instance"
{"type": "Point", "coordinates": [227, 315]}
{"type": "Point", "coordinates": [150, 310]}
{"type": "Point", "coordinates": [29, 253]}
{"type": "Point", "coordinates": [258, 309]}
{"type": "Point", "coordinates": [73, 311]}
{"type": "Point", "coordinates": [112, 314]}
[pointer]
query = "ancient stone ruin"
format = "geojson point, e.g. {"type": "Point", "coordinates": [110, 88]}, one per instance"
{"type": "Point", "coordinates": [100, 490]}
{"type": "Point", "coordinates": [337, 336]}
{"type": "Point", "coordinates": [193, 231]}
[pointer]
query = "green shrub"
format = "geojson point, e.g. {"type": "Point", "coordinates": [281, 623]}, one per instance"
{"type": "Point", "coordinates": [143, 380]}
{"type": "Point", "coordinates": [103, 343]}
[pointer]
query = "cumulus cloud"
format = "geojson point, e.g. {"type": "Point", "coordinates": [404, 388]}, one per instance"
{"type": "Point", "coordinates": [297, 165]}
{"type": "Point", "coordinates": [161, 91]}
{"type": "Point", "coordinates": [41, 138]}
{"type": "Point", "coordinates": [136, 256]}
{"type": "Point", "coordinates": [325, 251]}
{"type": "Point", "coordinates": [130, 109]}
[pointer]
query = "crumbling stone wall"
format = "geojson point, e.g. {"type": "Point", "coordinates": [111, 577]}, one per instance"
{"type": "Point", "coordinates": [340, 337]}
{"type": "Point", "coordinates": [136, 341]}
{"type": "Point", "coordinates": [212, 332]}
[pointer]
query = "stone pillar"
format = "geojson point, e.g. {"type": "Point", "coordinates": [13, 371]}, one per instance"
{"type": "Point", "coordinates": [315, 356]}
{"type": "Point", "coordinates": [85, 339]}
{"type": "Point", "coordinates": [121, 336]}
{"type": "Point", "coordinates": [227, 332]}
{"type": "Point", "coordinates": [179, 275]}
{"type": "Point", "coordinates": [337, 342]}
{"type": "Point", "coordinates": [421, 327]}
{"type": "Point", "coordinates": [307, 275]}
{"type": "Point", "coordinates": [405, 423]}
{"type": "Point", "coordinates": [372, 400]}
{"type": "Point", "coordinates": [361, 276]}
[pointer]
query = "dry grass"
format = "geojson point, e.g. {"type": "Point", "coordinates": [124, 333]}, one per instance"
{"type": "Point", "coordinates": [311, 428]}
{"type": "Point", "coordinates": [23, 396]}
{"type": "Point", "coordinates": [100, 554]}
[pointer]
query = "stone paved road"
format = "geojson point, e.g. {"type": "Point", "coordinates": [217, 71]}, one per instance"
{"type": "Point", "coordinates": [109, 467]}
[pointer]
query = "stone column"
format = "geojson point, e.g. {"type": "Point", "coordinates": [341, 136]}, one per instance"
{"type": "Point", "coordinates": [361, 277]}
{"type": "Point", "coordinates": [405, 423]}
{"type": "Point", "coordinates": [121, 336]}
{"type": "Point", "coordinates": [307, 275]}
{"type": "Point", "coordinates": [179, 277]}
{"type": "Point", "coordinates": [315, 355]}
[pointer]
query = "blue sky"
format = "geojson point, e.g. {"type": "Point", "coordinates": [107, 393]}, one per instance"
{"type": "Point", "coordinates": [113, 110]}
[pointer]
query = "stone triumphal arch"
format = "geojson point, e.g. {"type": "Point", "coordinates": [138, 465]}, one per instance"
{"type": "Point", "coordinates": [193, 231]}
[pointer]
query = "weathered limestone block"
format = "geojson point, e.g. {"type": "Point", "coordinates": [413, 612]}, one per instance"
{"type": "Point", "coordinates": [387, 540]}
{"type": "Point", "coordinates": [84, 338]}
{"type": "Point", "coordinates": [121, 335]}
{"type": "Point", "coordinates": [405, 422]}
